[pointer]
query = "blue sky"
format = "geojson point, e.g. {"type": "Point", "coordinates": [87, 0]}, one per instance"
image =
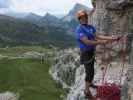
{"type": "Point", "coordinates": [40, 6]}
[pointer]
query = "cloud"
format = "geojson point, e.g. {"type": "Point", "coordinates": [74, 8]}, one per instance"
{"type": "Point", "coordinates": [4, 3]}
{"type": "Point", "coordinates": [42, 6]}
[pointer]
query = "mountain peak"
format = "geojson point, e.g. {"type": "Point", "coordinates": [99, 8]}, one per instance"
{"type": "Point", "coordinates": [49, 16]}
{"type": "Point", "coordinates": [77, 7]}
{"type": "Point", "coordinates": [49, 19]}
{"type": "Point", "coordinates": [32, 15]}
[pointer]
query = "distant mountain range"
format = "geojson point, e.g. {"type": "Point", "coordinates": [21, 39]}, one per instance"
{"type": "Point", "coordinates": [27, 29]}
{"type": "Point", "coordinates": [32, 17]}
{"type": "Point", "coordinates": [50, 20]}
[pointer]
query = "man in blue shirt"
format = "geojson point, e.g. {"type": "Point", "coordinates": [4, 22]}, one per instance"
{"type": "Point", "coordinates": [87, 40]}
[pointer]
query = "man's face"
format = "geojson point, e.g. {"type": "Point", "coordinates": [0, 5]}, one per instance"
{"type": "Point", "coordinates": [83, 19]}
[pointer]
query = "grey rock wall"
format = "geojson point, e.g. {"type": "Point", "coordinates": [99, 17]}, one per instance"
{"type": "Point", "coordinates": [116, 17]}
{"type": "Point", "coordinates": [109, 18]}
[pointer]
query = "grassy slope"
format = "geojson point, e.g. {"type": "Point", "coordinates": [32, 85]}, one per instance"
{"type": "Point", "coordinates": [29, 78]}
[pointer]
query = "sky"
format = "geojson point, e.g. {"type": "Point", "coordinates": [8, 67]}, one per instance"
{"type": "Point", "coordinates": [40, 7]}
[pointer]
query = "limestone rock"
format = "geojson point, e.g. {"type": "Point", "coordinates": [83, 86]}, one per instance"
{"type": "Point", "coordinates": [116, 17]}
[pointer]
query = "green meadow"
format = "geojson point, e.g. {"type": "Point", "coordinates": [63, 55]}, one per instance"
{"type": "Point", "coordinates": [27, 77]}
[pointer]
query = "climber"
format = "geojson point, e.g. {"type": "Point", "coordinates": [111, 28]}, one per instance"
{"type": "Point", "coordinates": [87, 40]}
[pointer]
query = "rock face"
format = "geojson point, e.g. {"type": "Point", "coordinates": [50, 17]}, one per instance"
{"type": "Point", "coordinates": [113, 16]}
{"type": "Point", "coordinates": [64, 68]}
{"type": "Point", "coordinates": [68, 72]}
{"type": "Point", "coordinates": [116, 17]}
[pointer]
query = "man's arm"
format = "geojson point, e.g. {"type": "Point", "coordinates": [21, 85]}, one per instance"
{"type": "Point", "coordinates": [103, 37]}
{"type": "Point", "coordinates": [92, 42]}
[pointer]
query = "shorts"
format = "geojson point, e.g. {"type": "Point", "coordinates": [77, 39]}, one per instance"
{"type": "Point", "coordinates": [87, 58]}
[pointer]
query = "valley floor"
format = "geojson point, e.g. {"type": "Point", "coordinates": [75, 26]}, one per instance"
{"type": "Point", "coordinates": [27, 77]}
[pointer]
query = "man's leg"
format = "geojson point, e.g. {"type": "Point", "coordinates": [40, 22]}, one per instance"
{"type": "Point", "coordinates": [87, 91]}
{"type": "Point", "coordinates": [89, 71]}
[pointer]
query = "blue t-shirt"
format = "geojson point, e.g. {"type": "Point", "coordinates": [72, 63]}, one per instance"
{"type": "Point", "coordinates": [87, 31]}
